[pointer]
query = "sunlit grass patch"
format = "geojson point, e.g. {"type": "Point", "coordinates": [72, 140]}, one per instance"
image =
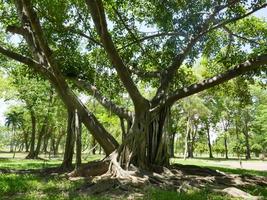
{"type": "Point", "coordinates": [155, 194]}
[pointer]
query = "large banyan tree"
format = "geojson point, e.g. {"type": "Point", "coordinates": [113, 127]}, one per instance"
{"type": "Point", "coordinates": [118, 49]}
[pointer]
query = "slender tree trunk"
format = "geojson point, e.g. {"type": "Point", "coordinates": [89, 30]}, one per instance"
{"type": "Point", "coordinates": [45, 142]}
{"type": "Point", "coordinates": [209, 142]}
{"type": "Point", "coordinates": [78, 131]}
{"type": "Point", "coordinates": [172, 145]}
{"type": "Point", "coordinates": [186, 137]}
{"type": "Point", "coordinates": [26, 139]}
{"type": "Point", "coordinates": [57, 142]}
{"type": "Point", "coordinates": [225, 146]}
{"type": "Point", "coordinates": [70, 141]}
{"type": "Point", "coordinates": [190, 145]}
{"type": "Point", "coordinates": [33, 132]}
{"type": "Point", "coordinates": [38, 146]}
{"type": "Point", "coordinates": [53, 146]}
{"type": "Point", "coordinates": [93, 145]}
{"type": "Point", "coordinates": [245, 132]}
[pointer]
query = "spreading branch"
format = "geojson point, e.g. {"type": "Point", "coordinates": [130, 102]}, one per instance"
{"type": "Point", "coordinates": [242, 68]}
{"type": "Point", "coordinates": [204, 29]}
{"type": "Point", "coordinates": [30, 21]}
{"type": "Point", "coordinates": [108, 104]}
{"type": "Point", "coordinates": [98, 14]}
{"type": "Point", "coordinates": [27, 61]}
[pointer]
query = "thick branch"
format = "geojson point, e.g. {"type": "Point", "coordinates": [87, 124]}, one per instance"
{"type": "Point", "coordinates": [16, 30]}
{"type": "Point", "coordinates": [169, 73]}
{"type": "Point", "coordinates": [18, 57]}
{"type": "Point", "coordinates": [242, 68]}
{"type": "Point", "coordinates": [27, 61]}
{"type": "Point", "coordinates": [99, 18]}
{"type": "Point", "coordinates": [108, 104]}
{"type": "Point", "coordinates": [30, 20]}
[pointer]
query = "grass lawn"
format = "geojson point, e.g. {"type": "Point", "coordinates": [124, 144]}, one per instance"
{"type": "Point", "coordinates": [32, 186]}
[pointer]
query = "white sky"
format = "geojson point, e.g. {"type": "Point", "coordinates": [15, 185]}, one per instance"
{"type": "Point", "coordinates": [4, 105]}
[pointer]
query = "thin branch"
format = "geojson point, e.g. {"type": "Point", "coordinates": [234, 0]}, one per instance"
{"type": "Point", "coordinates": [242, 68]}
{"type": "Point", "coordinates": [230, 32]}
{"type": "Point", "coordinates": [148, 37]}
{"type": "Point", "coordinates": [223, 23]}
{"type": "Point", "coordinates": [108, 104]}
{"type": "Point", "coordinates": [144, 74]}
{"type": "Point", "coordinates": [81, 33]}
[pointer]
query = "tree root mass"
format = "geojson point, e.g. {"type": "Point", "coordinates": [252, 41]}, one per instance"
{"type": "Point", "coordinates": [107, 177]}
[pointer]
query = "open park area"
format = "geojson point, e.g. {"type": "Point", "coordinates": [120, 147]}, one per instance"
{"type": "Point", "coordinates": [137, 99]}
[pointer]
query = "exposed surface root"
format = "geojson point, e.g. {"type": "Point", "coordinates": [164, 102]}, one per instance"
{"type": "Point", "coordinates": [237, 193]}
{"type": "Point", "coordinates": [108, 177]}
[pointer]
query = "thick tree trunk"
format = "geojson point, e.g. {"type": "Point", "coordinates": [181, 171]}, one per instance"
{"type": "Point", "coordinates": [147, 143]}
{"type": "Point", "coordinates": [70, 141]}
{"type": "Point", "coordinates": [209, 142]}
{"type": "Point", "coordinates": [33, 132]}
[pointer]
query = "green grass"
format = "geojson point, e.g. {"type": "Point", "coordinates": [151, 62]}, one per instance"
{"type": "Point", "coordinates": [17, 186]}
{"type": "Point", "coordinates": [18, 164]}
{"type": "Point", "coordinates": [26, 187]}
{"type": "Point", "coordinates": [220, 167]}
{"type": "Point", "coordinates": [30, 186]}
{"type": "Point", "coordinates": [205, 194]}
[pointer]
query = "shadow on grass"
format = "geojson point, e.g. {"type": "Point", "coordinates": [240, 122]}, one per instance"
{"type": "Point", "coordinates": [155, 194]}
{"type": "Point", "coordinates": [217, 159]}
{"type": "Point", "coordinates": [14, 186]}
{"type": "Point", "coordinates": [239, 171]}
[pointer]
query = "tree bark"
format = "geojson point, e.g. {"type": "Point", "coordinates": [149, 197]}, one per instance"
{"type": "Point", "coordinates": [147, 143]}
{"type": "Point", "coordinates": [186, 136]}
{"type": "Point", "coordinates": [209, 142]}
{"type": "Point", "coordinates": [245, 132]}
{"type": "Point", "coordinates": [33, 133]}
{"type": "Point", "coordinates": [172, 138]}
{"type": "Point", "coordinates": [70, 141]}
{"type": "Point", "coordinates": [225, 146]}
{"type": "Point", "coordinates": [57, 141]}
{"type": "Point", "coordinates": [78, 133]}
